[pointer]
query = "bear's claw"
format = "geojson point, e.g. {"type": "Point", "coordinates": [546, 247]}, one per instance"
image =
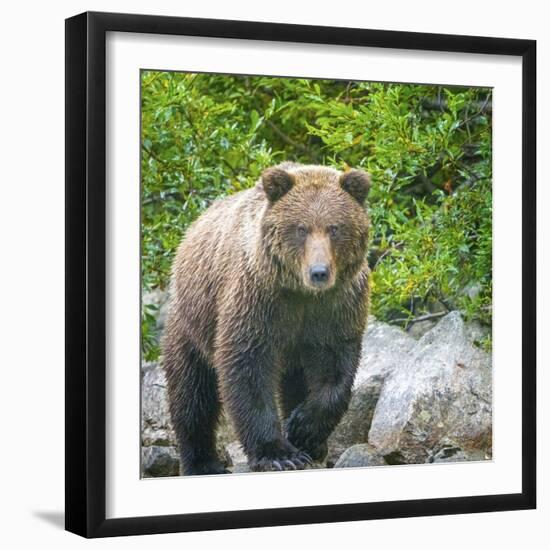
{"type": "Point", "coordinates": [306, 456]}
{"type": "Point", "coordinates": [298, 461]}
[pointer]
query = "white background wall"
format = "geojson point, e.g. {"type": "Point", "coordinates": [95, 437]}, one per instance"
{"type": "Point", "coordinates": [32, 272]}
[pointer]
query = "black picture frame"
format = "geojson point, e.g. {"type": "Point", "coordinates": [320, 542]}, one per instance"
{"type": "Point", "coordinates": [86, 273]}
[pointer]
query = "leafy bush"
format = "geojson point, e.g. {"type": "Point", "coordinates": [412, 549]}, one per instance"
{"type": "Point", "coordinates": [428, 149]}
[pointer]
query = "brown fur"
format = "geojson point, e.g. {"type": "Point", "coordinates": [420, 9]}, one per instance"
{"type": "Point", "coordinates": [252, 323]}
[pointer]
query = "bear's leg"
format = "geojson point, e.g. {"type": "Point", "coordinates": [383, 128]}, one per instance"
{"type": "Point", "coordinates": [194, 408]}
{"type": "Point", "coordinates": [248, 390]}
{"type": "Point", "coordinates": [292, 390]}
{"type": "Point", "coordinates": [329, 373]}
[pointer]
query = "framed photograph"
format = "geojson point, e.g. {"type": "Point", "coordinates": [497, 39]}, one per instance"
{"type": "Point", "coordinates": [300, 274]}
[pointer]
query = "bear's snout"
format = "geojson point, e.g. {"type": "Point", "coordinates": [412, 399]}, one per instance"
{"type": "Point", "coordinates": [319, 270]}
{"type": "Point", "coordinates": [319, 274]}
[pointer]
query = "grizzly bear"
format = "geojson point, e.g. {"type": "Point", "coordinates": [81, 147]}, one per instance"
{"type": "Point", "coordinates": [269, 302]}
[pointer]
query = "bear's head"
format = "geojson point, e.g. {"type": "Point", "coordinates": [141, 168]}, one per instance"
{"type": "Point", "coordinates": [315, 225]}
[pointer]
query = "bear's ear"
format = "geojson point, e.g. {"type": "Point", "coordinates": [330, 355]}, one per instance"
{"type": "Point", "coordinates": [356, 183]}
{"type": "Point", "coordinates": [276, 183]}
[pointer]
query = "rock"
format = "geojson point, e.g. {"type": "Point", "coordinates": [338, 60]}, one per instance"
{"type": "Point", "coordinates": [385, 347]}
{"type": "Point", "coordinates": [224, 456]}
{"type": "Point", "coordinates": [241, 468]}
{"type": "Point", "coordinates": [235, 452]}
{"type": "Point", "coordinates": [476, 332]}
{"type": "Point", "coordinates": [225, 433]}
{"type": "Point", "coordinates": [426, 400]}
{"type": "Point", "coordinates": [450, 453]}
{"type": "Point", "coordinates": [360, 456]}
{"type": "Point", "coordinates": [439, 397]}
{"type": "Point", "coordinates": [417, 330]}
{"type": "Point", "coordinates": [156, 428]}
{"type": "Point", "coordinates": [157, 461]}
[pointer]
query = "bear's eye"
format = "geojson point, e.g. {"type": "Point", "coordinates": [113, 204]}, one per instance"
{"type": "Point", "coordinates": [302, 230]}
{"type": "Point", "coordinates": [333, 230]}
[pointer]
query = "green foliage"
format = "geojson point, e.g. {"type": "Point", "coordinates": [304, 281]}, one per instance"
{"type": "Point", "coordinates": [427, 148]}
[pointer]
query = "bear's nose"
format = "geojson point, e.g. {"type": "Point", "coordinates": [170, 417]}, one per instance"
{"type": "Point", "coordinates": [319, 273]}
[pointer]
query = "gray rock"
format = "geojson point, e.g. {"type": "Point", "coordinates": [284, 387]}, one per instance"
{"type": "Point", "coordinates": [439, 397]}
{"type": "Point", "coordinates": [225, 434]}
{"type": "Point", "coordinates": [159, 461]}
{"type": "Point", "coordinates": [417, 330]}
{"type": "Point", "coordinates": [449, 453]}
{"type": "Point", "coordinates": [235, 452]}
{"type": "Point", "coordinates": [224, 456]}
{"type": "Point", "coordinates": [414, 401]}
{"type": "Point", "coordinates": [385, 348]}
{"type": "Point", "coordinates": [241, 468]}
{"type": "Point", "coordinates": [476, 332]}
{"type": "Point", "coordinates": [156, 428]}
{"type": "Point", "coordinates": [360, 456]}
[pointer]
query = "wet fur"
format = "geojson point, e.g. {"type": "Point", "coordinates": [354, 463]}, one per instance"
{"type": "Point", "coordinates": [243, 329]}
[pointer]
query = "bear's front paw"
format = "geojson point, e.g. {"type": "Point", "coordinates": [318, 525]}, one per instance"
{"type": "Point", "coordinates": [298, 429]}
{"type": "Point", "coordinates": [319, 452]}
{"type": "Point", "coordinates": [279, 456]}
{"type": "Point", "coordinates": [304, 435]}
{"type": "Point", "coordinates": [210, 467]}
{"type": "Point", "coordinates": [297, 462]}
